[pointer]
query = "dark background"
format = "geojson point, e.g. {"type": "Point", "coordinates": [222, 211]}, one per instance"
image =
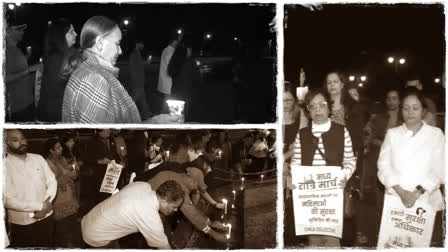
{"type": "Point", "coordinates": [153, 22]}
{"type": "Point", "coordinates": [359, 39]}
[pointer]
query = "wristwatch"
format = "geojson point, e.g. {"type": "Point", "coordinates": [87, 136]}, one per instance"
{"type": "Point", "coordinates": [420, 189]}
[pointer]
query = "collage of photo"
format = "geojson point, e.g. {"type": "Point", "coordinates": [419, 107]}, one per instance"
{"type": "Point", "coordinates": [223, 126]}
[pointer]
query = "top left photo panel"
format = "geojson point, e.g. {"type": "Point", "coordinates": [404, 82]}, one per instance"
{"type": "Point", "coordinates": [139, 63]}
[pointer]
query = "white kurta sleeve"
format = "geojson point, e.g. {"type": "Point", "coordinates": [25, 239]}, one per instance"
{"type": "Point", "coordinates": [385, 170]}
{"type": "Point", "coordinates": [436, 172]}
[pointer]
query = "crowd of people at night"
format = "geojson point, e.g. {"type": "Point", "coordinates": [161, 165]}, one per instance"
{"type": "Point", "coordinates": [64, 205]}
{"type": "Point", "coordinates": [85, 85]}
{"type": "Point", "coordinates": [396, 150]}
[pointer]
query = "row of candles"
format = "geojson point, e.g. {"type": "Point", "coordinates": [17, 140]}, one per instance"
{"type": "Point", "coordinates": [243, 179]}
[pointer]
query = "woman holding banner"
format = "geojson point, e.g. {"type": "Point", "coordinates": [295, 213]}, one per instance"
{"type": "Point", "coordinates": [411, 160]}
{"type": "Point", "coordinates": [323, 143]}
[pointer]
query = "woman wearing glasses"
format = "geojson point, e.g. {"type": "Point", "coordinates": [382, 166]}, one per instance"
{"type": "Point", "coordinates": [323, 143]}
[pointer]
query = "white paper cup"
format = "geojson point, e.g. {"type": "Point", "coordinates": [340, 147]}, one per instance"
{"type": "Point", "coordinates": [176, 107]}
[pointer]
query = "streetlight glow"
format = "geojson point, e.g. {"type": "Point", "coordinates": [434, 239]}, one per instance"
{"type": "Point", "coordinates": [11, 6]}
{"type": "Point", "coordinates": [390, 60]}
{"type": "Point", "coordinates": [437, 80]}
{"type": "Point", "coordinates": [402, 61]}
{"type": "Point", "coordinates": [363, 78]}
{"type": "Point", "coordinates": [351, 78]}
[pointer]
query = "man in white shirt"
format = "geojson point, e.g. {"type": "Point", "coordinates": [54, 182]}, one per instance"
{"type": "Point", "coordinates": [28, 190]}
{"type": "Point", "coordinates": [165, 82]}
{"type": "Point", "coordinates": [133, 209]}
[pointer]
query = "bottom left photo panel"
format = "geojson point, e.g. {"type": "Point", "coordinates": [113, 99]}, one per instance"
{"type": "Point", "coordinates": [140, 188]}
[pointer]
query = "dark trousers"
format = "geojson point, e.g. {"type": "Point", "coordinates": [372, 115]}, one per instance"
{"type": "Point", "coordinates": [38, 234]}
{"type": "Point", "coordinates": [25, 115]}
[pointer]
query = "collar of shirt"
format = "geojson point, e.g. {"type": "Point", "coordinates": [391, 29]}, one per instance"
{"type": "Point", "coordinates": [321, 127]}
{"type": "Point", "coordinates": [95, 59]}
{"type": "Point", "coordinates": [409, 133]}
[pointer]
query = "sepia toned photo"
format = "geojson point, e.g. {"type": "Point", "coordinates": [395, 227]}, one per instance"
{"type": "Point", "coordinates": [363, 126]}
{"type": "Point", "coordinates": [140, 189]}
{"type": "Point", "coordinates": [139, 63]}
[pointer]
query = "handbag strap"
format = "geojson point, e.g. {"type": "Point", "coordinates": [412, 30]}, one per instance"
{"type": "Point", "coordinates": [319, 150]}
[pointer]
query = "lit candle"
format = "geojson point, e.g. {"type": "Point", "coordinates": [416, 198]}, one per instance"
{"type": "Point", "coordinates": [167, 154]}
{"type": "Point", "coordinates": [234, 195]}
{"type": "Point", "coordinates": [224, 201]}
{"type": "Point", "coordinates": [229, 230]}
{"type": "Point", "coordinates": [74, 167]}
{"type": "Point", "coordinates": [233, 205]}
{"type": "Point", "coordinates": [261, 176]}
{"type": "Point", "coordinates": [242, 182]}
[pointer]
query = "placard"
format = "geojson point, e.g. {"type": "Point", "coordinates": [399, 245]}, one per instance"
{"type": "Point", "coordinates": [403, 227]}
{"type": "Point", "coordinates": [318, 200]}
{"type": "Point", "coordinates": [111, 177]}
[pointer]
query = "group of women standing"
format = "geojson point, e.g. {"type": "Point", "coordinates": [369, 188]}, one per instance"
{"type": "Point", "coordinates": [334, 137]}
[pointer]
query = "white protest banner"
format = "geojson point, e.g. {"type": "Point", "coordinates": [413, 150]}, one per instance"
{"type": "Point", "coordinates": [403, 227]}
{"type": "Point", "coordinates": [111, 177]}
{"type": "Point", "coordinates": [318, 200]}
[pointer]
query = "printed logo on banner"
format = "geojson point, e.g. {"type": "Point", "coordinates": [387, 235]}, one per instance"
{"type": "Point", "coordinates": [111, 177]}
{"type": "Point", "coordinates": [403, 227]}
{"type": "Point", "coordinates": [317, 200]}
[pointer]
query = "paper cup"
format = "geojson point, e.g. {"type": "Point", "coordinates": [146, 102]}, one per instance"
{"type": "Point", "coordinates": [301, 92]}
{"type": "Point", "coordinates": [175, 107]}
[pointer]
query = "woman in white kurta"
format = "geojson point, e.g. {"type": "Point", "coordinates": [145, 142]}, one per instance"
{"type": "Point", "coordinates": [411, 161]}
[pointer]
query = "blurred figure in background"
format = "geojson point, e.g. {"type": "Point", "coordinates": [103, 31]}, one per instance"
{"type": "Point", "coordinates": [19, 77]}
{"type": "Point", "coordinates": [137, 79]}
{"type": "Point", "coordinates": [59, 42]}
{"type": "Point", "coordinates": [165, 81]}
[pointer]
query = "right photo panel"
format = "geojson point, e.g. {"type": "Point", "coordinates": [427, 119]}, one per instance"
{"type": "Point", "coordinates": [363, 126]}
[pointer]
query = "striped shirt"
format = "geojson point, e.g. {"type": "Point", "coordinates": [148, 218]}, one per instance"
{"type": "Point", "coordinates": [349, 160]}
{"type": "Point", "coordinates": [94, 95]}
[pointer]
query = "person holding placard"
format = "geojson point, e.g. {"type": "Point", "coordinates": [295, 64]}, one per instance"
{"type": "Point", "coordinates": [323, 143]}
{"type": "Point", "coordinates": [412, 161]}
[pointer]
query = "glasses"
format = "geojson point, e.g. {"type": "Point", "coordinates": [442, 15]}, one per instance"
{"type": "Point", "coordinates": [314, 107]}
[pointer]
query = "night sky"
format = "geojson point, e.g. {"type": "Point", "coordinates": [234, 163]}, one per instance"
{"type": "Point", "coordinates": [153, 22]}
{"type": "Point", "coordinates": [359, 38]}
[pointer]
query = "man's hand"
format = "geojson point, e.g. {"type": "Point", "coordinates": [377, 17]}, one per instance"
{"type": "Point", "coordinates": [35, 67]}
{"type": "Point", "coordinates": [166, 119]}
{"type": "Point", "coordinates": [219, 205]}
{"type": "Point", "coordinates": [219, 237]}
{"type": "Point", "coordinates": [218, 225]}
{"type": "Point", "coordinates": [45, 210]}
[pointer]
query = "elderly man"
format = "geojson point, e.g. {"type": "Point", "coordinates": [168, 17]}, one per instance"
{"type": "Point", "coordinates": [133, 209]}
{"type": "Point", "coordinates": [28, 190]}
